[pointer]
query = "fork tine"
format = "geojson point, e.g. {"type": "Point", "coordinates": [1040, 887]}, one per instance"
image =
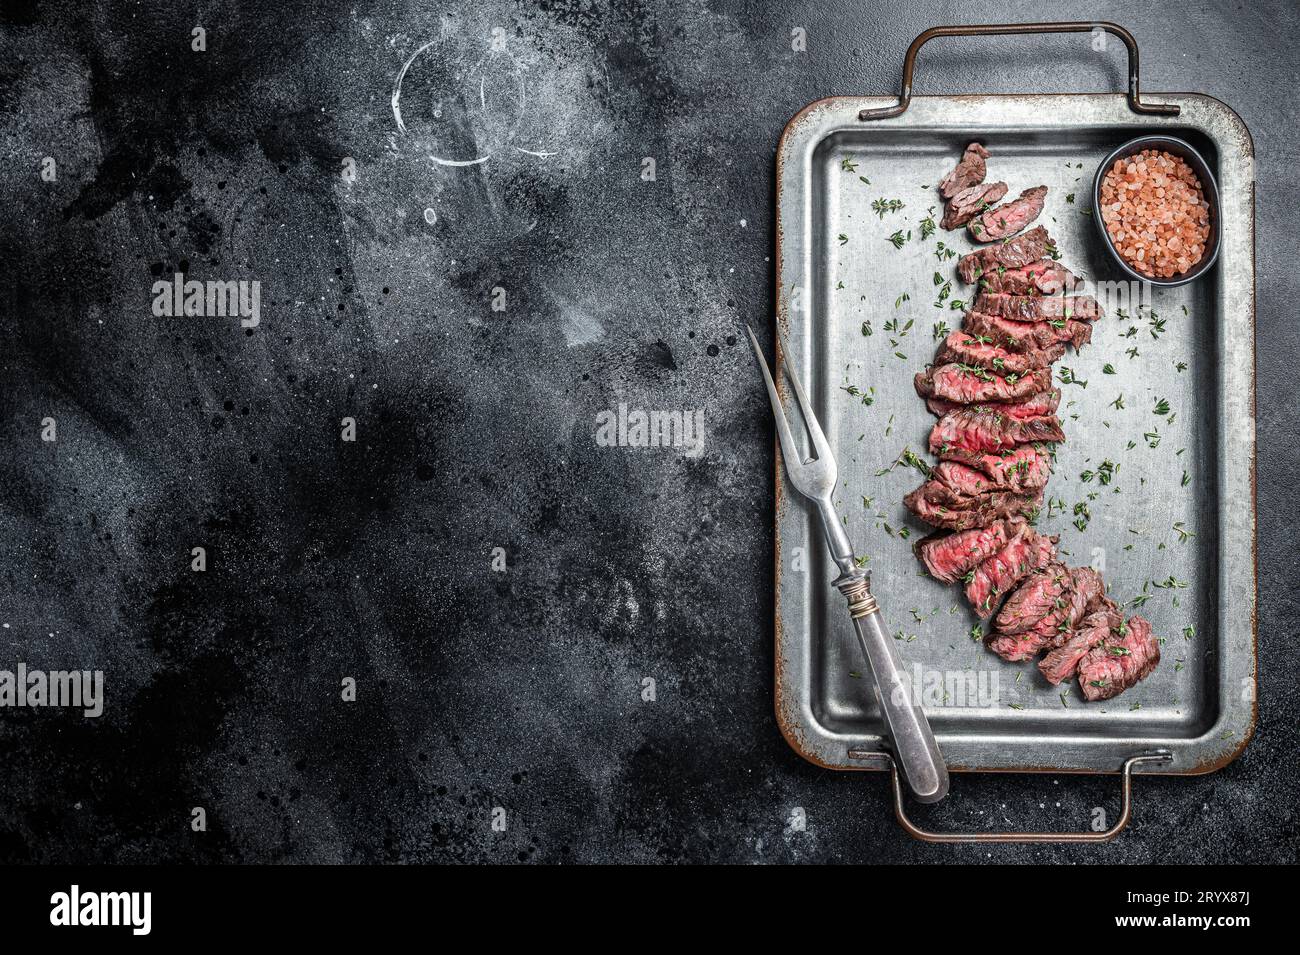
{"type": "Point", "coordinates": [793, 460]}
{"type": "Point", "coordinates": [820, 444]}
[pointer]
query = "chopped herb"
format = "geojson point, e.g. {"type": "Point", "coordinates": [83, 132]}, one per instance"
{"type": "Point", "coordinates": [1108, 369]}
{"type": "Point", "coordinates": [843, 238]}
{"type": "Point", "coordinates": [881, 206]}
{"type": "Point", "coordinates": [1162, 407]}
{"type": "Point", "coordinates": [1068, 377]}
{"type": "Point", "coordinates": [898, 239]}
{"type": "Point", "coordinates": [867, 398]}
{"type": "Point", "coordinates": [847, 165]}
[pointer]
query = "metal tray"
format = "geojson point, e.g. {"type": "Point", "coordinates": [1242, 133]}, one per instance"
{"type": "Point", "coordinates": [836, 269]}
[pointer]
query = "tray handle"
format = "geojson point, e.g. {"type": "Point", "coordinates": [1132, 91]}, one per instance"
{"type": "Point", "coordinates": [1003, 29]}
{"type": "Point", "coordinates": [1125, 812]}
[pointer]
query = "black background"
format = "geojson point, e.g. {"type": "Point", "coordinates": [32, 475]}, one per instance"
{"type": "Point", "coordinates": [372, 560]}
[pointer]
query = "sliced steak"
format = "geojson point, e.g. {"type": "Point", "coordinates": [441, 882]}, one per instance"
{"type": "Point", "coordinates": [1045, 402]}
{"type": "Point", "coordinates": [1053, 627]}
{"type": "Point", "coordinates": [1088, 588]}
{"type": "Point", "coordinates": [1124, 656]}
{"type": "Point", "coordinates": [983, 429]}
{"type": "Point", "coordinates": [1024, 468]}
{"type": "Point", "coordinates": [996, 576]}
{"type": "Point", "coordinates": [941, 506]}
{"type": "Point", "coordinates": [1011, 254]}
{"type": "Point", "coordinates": [1019, 336]}
{"type": "Point", "coordinates": [1099, 603]}
{"type": "Point", "coordinates": [969, 203]}
{"type": "Point", "coordinates": [969, 385]}
{"type": "Point", "coordinates": [1037, 308]}
{"type": "Point", "coordinates": [1043, 277]}
{"type": "Point", "coordinates": [1008, 218]}
{"type": "Point", "coordinates": [949, 557]}
{"type": "Point", "coordinates": [1038, 596]}
{"type": "Point", "coordinates": [969, 171]}
{"type": "Point", "coordinates": [1060, 664]}
{"type": "Point", "coordinates": [963, 348]}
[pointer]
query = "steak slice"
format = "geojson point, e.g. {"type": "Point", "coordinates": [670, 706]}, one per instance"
{"type": "Point", "coordinates": [969, 203]}
{"type": "Point", "coordinates": [1019, 336]}
{"type": "Point", "coordinates": [970, 385]}
{"type": "Point", "coordinates": [1123, 657]}
{"type": "Point", "coordinates": [1011, 254]}
{"type": "Point", "coordinates": [1060, 664]}
{"type": "Point", "coordinates": [1043, 277]}
{"type": "Point", "coordinates": [1024, 468]}
{"type": "Point", "coordinates": [941, 506]}
{"type": "Point", "coordinates": [983, 429]}
{"type": "Point", "coordinates": [1037, 308]}
{"type": "Point", "coordinates": [970, 170]}
{"type": "Point", "coordinates": [1042, 593]}
{"type": "Point", "coordinates": [1008, 218]}
{"type": "Point", "coordinates": [1088, 588]}
{"type": "Point", "coordinates": [1053, 627]}
{"type": "Point", "coordinates": [963, 348]}
{"type": "Point", "coordinates": [948, 557]}
{"type": "Point", "coordinates": [1045, 402]}
{"type": "Point", "coordinates": [996, 576]}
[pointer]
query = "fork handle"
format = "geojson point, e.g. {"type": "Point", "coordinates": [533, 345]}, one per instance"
{"type": "Point", "coordinates": [909, 731]}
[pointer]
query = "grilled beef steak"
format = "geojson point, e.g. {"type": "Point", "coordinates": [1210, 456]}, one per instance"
{"type": "Point", "coordinates": [1008, 218]}
{"type": "Point", "coordinates": [1019, 336]}
{"type": "Point", "coordinates": [984, 430]}
{"type": "Point", "coordinates": [1012, 254]}
{"type": "Point", "coordinates": [969, 171]}
{"type": "Point", "coordinates": [1037, 308]}
{"type": "Point", "coordinates": [948, 557]}
{"type": "Point", "coordinates": [1052, 628]}
{"type": "Point", "coordinates": [1088, 588]}
{"type": "Point", "coordinates": [1036, 598]}
{"type": "Point", "coordinates": [991, 388]}
{"type": "Point", "coordinates": [970, 386]}
{"type": "Point", "coordinates": [941, 506]}
{"type": "Point", "coordinates": [996, 576]}
{"type": "Point", "coordinates": [1023, 468]}
{"type": "Point", "coordinates": [969, 203]}
{"type": "Point", "coordinates": [1119, 661]}
{"type": "Point", "coordinates": [1045, 402]}
{"type": "Point", "coordinates": [963, 348]}
{"type": "Point", "coordinates": [1060, 664]}
{"type": "Point", "coordinates": [1043, 277]}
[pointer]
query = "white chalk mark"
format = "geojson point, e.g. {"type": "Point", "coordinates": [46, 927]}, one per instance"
{"type": "Point", "coordinates": [539, 155]}
{"type": "Point", "coordinates": [397, 87]}
{"type": "Point", "coordinates": [460, 162]}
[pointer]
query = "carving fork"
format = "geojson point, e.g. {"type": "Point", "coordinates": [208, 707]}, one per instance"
{"type": "Point", "coordinates": [908, 729]}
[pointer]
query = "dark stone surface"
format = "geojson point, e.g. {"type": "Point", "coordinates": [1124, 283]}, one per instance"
{"type": "Point", "coordinates": [372, 559]}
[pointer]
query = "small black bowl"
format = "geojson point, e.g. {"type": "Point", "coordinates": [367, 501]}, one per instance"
{"type": "Point", "coordinates": [1209, 188]}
